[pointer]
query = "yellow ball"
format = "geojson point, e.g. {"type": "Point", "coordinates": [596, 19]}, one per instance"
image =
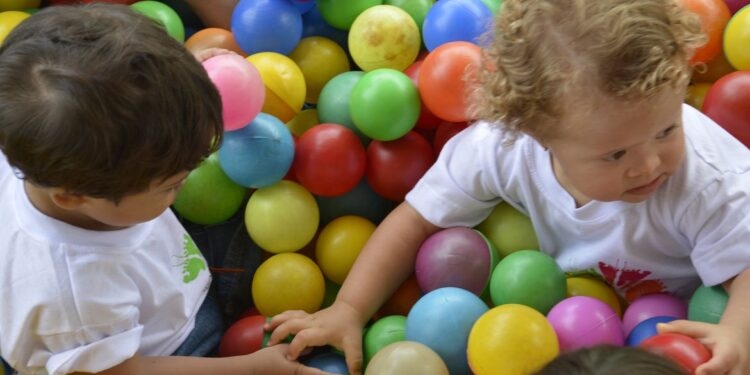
{"type": "Point", "coordinates": [288, 281]}
{"type": "Point", "coordinates": [737, 39]}
{"type": "Point", "coordinates": [285, 84]}
{"type": "Point", "coordinates": [339, 244]}
{"type": "Point", "coordinates": [283, 217]}
{"type": "Point", "coordinates": [9, 20]}
{"type": "Point", "coordinates": [509, 230]}
{"type": "Point", "coordinates": [587, 286]}
{"type": "Point", "coordinates": [406, 358]}
{"type": "Point", "coordinates": [303, 121]}
{"type": "Point", "coordinates": [320, 59]}
{"type": "Point", "coordinates": [384, 36]}
{"type": "Point", "coordinates": [511, 339]}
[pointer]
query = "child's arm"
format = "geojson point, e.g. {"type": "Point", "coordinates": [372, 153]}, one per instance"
{"type": "Point", "coordinates": [384, 263]}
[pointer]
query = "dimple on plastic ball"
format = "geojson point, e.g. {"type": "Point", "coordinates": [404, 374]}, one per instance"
{"type": "Point", "coordinates": [406, 358]}
{"type": "Point", "coordinates": [737, 38]}
{"type": "Point", "coordinates": [384, 104]}
{"type": "Point", "coordinates": [511, 339]}
{"type": "Point", "coordinates": [455, 20]}
{"type": "Point", "coordinates": [329, 160]}
{"type": "Point", "coordinates": [714, 15]}
{"type": "Point", "coordinates": [727, 103]}
{"type": "Point", "coordinates": [288, 281]}
{"type": "Point", "coordinates": [282, 217]}
{"type": "Point", "coordinates": [394, 167]}
{"type": "Point", "coordinates": [259, 154]}
{"type": "Point", "coordinates": [266, 26]}
{"type": "Point", "coordinates": [334, 100]}
{"type": "Point", "coordinates": [442, 320]}
{"type": "Point", "coordinates": [245, 336]}
{"type": "Point", "coordinates": [9, 20]}
{"type": "Point", "coordinates": [212, 37]}
{"type": "Point", "coordinates": [241, 88]}
{"type": "Point", "coordinates": [646, 329]}
{"type": "Point", "coordinates": [320, 59]}
{"type": "Point", "coordinates": [685, 350]}
{"type": "Point", "coordinates": [443, 82]}
{"type": "Point", "coordinates": [164, 14]}
{"type": "Point", "coordinates": [339, 244]}
{"type": "Point", "coordinates": [652, 305]}
{"type": "Point", "coordinates": [342, 13]}
{"type": "Point", "coordinates": [587, 286]}
{"type": "Point", "coordinates": [458, 257]}
{"type": "Point", "coordinates": [707, 304]}
{"type": "Point", "coordinates": [208, 196]}
{"type": "Point", "coordinates": [384, 36]}
{"type": "Point", "coordinates": [583, 321]}
{"type": "Point", "coordinates": [528, 277]}
{"type": "Point", "coordinates": [383, 332]}
{"type": "Point", "coordinates": [284, 84]}
{"type": "Point", "coordinates": [509, 230]}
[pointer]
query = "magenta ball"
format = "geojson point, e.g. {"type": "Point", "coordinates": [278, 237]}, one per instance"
{"type": "Point", "coordinates": [652, 305]}
{"type": "Point", "coordinates": [241, 88]}
{"type": "Point", "coordinates": [735, 5]}
{"type": "Point", "coordinates": [454, 257]}
{"type": "Point", "coordinates": [583, 321]}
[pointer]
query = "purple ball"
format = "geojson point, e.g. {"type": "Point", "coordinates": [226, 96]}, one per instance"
{"type": "Point", "coordinates": [735, 5]}
{"type": "Point", "coordinates": [652, 305]}
{"type": "Point", "coordinates": [582, 321]}
{"type": "Point", "coordinates": [455, 257]}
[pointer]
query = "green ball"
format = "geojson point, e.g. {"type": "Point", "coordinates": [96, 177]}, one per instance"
{"type": "Point", "coordinates": [494, 5]}
{"type": "Point", "coordinates": [509, 230]}
{"type": "Point", "coordinates": [163, 14]}
{"type": "Point", "coordinates": [209, 196]}
{"type": "Point", "coordinates": [384, 331]}
{"type": "Point", "coordinates": [334, 98]}
{"type": "Point", "coordinates": [417, 9]}
{"type": "Point", "coordinates": [385, 104]}
{"type": "Point", "coordinates": [341, 13]}
{"type": "Point", "coordinates": [707, 304]}
{"type": "Point", "coordinates": [528, 277]}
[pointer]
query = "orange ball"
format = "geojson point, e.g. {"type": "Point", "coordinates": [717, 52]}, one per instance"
{"type": "Point", "coordinates": [213, 37]}
{"type": "Point", "coordinates": [714, 15]}
{"type": "Point", "coordinates": [442, 84]}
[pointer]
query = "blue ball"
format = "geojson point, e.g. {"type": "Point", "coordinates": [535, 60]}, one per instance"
{"type": "Point", "coordinates": [442, 320]}
{"type": "Point", "coordinates": [455, 20]}
{"type": "Point", "coordinates": [328, 362]}
{"type": "Point", "coordinates": [266, 26]}
{"type": "Point", "coordinates": [259, 154]}
{"type": "Point", "coordinates": [646, 329]}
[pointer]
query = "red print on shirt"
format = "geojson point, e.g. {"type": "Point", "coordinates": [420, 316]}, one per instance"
{"type": "Point", "coordinates": [631, 283]}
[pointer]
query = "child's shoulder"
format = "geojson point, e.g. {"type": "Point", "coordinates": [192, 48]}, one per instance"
{"type": "Point", "coordinates": [710, 147]}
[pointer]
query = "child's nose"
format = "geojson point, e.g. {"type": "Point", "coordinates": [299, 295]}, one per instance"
{"type": "Point", "coordinates": [645, 165]}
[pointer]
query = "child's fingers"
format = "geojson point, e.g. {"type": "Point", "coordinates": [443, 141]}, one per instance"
{"type": "Point", "coordinates": [689, 328]}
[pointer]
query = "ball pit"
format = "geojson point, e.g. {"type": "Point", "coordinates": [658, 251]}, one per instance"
{"type": "Point", "coordinates": [406, 358]}
{"type": "Point", "coordinates": [583, 321]}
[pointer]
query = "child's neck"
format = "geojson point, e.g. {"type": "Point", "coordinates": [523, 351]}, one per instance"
{"type": "Point", "coordinates": [41, 200]}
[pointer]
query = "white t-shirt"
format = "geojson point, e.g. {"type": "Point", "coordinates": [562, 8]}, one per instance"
{"type": "Point", "coordinates": [695, 228]}
{"type": "Point", "coordinates": [80, 300]}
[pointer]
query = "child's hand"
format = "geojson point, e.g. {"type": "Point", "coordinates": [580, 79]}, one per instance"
{"type": "Point", "coordinates": [273, 360]}
{"type": "Point", "coordinates": [336, 325]}
{"type": "Point", "coordinates": [730, 348]}
{"type": "Point", "coordinates": [208, 53]}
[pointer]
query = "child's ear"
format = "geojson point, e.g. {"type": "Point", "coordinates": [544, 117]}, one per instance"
{"type": "Point", "coordinates": [66, 200]}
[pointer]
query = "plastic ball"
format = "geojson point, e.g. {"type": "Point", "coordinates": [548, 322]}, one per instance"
{"type": "Point", "coordinates": [736, 5]}
{"type": "Point", "coordinates": [737, 38]}
{"type": "Point", "coordinates": [583, 321]}
{"type": "Point", "coordinates": [384, 104]}
{"type": "Point", "coordinates": [284, 82]}
{"type": "Point", "coordinates": [509, 230]}
{"type": "Point", "coordinates": [319, 59]}
{"type": "Point", "coordinates": [443, 133]}
{"type": "Point", "coordinates": [455, 20]}
{"type": "Point", "coordinates": [696, 94]}
{"type": "Point", "coordinates": [442, 320]}
{"type": "Point", "coordinates": [714, 15]}
{"type": "Point", "coordinates": [241, 88]}
{"type": "Point", "coordinates": [384, 36]}
{"type": "Point", "coordinates": [259, 154]}
{"type": "Point", "coordinates": [212, 37]}
{"type": "Point", "coordinates": [587, 286]}
{"type": "Point", "coordinates": [282, 217]}
{"type": "Point", "coordinates": [329, 160]}
{"type": "Point", "coordinates": [494, 5]}
{"type": "Point", "coordinates": [403, 299]}
{"type": "Point", "coordinates": [528, 277]}
{"type": "Point", "coordinates": [426, 119]}
{"type": "Point", "coordinates": [163, 14]}
{"type": "Point", "coordinates": [19, 5]}
{"type": "Point", "coordinates": [511, 339]}
{"type": "Point", "coordinates": [313, 24]}
{"type": "Point", "coordinates": [458, 257]}
{"type": "Point", "coordinates": [266, 26]}
{"type": "Point", "coordinates": [726, 103]}
{"type": "Point", "coordinates": [9, 20]}
{"type": "Point", "coordinates": [360, 200]}
{"type": "Point", "coordinates": [646, 329]}
{"type": "Point", "coordinates": [685, 350]}
{"type": "Point", "coordinates": [443, 82]}
{"type": "Point", "coordinates": [652, 305]}
{"type": "Point", "coordinates": [393, 168]}
{"type": "Point", "coordinates": [245, 336]}
{"type": "Point", "coordinates": [287, 281]}
{"type": "Point", "coordinates": [417, 9]}
{"type": "Point", "coordinates": [303, 121]}
{"type": "Point", "coordinates": [334, 101]}
{"type": "Point", "coordinates": [329, 362]}
{"type": "Point", "coordinates": [406, 358]}
{"type": "Point", "coordinates": [208, 196]}
{"type": "Point", "coordinates": [339, 244]}
{"type": "Point", "coordinates": [714, 69]}
{"type": "Point", "coordinates": [383, 332]}
{"type": "Point", "coordinates": [708, 304]}
{"type": "Point", "coordinates": [342, 13]}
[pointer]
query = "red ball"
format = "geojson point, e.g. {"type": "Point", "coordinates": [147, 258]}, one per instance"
{"type": "Point", "coordinates": [728, 103]}
{"type": "Point", "coordinates": [245, 336]}
{"type": "Point", "coordinates": [426, 119]}
{"type": "Point", "coordinates": [394, 167]}
{"type": "Point", "coordinates": [684, 350]}
{"type": "Point", "coordinates": [445, 131]}
{"type": "Point", "coordinates": [329, 160]}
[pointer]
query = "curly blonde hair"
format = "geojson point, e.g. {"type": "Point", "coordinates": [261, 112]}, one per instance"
{"type": "Point", "coordinates": [541, 51]}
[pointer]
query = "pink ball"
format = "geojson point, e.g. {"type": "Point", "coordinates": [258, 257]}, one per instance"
{"type": "Point", "coordinates": [652, 305]}
{"type": "Point", "coordinates": [240, 86]}
{"type": "Point", "coordinates": [582, 321]}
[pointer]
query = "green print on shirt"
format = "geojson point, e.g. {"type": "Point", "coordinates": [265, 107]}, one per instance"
{"type": "Point", "coordinates": [193, 262]}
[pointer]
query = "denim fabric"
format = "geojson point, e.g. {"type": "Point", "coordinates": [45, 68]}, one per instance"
{"type": "Point", "coordinates": [205, 337]}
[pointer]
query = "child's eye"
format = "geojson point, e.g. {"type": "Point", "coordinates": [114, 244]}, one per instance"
{"type": "Point", "coordinates": [666, 132]}
{"type": "Point", "coordinates": [615, 155]}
